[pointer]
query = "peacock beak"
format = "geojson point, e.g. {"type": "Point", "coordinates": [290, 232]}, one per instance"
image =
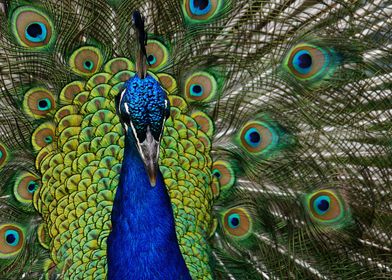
{"type": "Point", "coordinates": [149, 152]}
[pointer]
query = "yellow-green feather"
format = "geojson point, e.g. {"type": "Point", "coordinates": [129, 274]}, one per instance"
{"type": "Point", "coordinates": [80, 172]}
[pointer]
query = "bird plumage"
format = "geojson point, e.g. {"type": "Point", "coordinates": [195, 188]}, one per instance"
{"type": "Point", "coordinates": [143, 239]}
{"type": "Point", "coordinates": [276, 155]}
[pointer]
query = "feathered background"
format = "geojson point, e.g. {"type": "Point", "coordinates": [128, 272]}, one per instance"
{"type": "Point", "coordinates": [277, 155]}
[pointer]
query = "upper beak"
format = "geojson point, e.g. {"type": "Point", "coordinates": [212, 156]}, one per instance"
{"type": "Point", "coordinates": [149, 151]}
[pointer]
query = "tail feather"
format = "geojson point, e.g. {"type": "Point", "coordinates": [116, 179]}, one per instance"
{"type": "Point", "coordinates": [333, 131]}
{"type": "Point", "coordinates": [292, 99]}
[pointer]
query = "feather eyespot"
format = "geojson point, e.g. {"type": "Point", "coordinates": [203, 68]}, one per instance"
{"type": "Point", "coordinates": [257, 137]}
{"type": "Point", "coordinates": [302, 62]}
{"type": "Point", "coordinates": [201, 10]}
{"type": "Point", "coordinates": [326, 206]}
{"type": "Point", "coordinates": [31, 27]}
{"type": "Point", "coordinates": [44, 104]}
{"type": "Point", "coordinates": [86, 61]}
{"type": "Point", "coordinates": [322, 204]}
{"type": "Point", "coordinates": [309, 62]}
{"type": "Point", "coordinates": [237, 222]}
{"type": "Point", "coordinates": [233, 220]}
{"type": "Point", "coordinates": [38, 102]}
{"type": "Point", "coordinates": [11, 240]}
{"type": "Point", "coordinates": [25, 186]}
{"type": "Point", "coordinates": [36, 32]}
{"type": "Point", "coordinates": [88, 64]}
{"type": "Point", "coordinates": [3, 155]}
{"type": "Point", "coordinates": [157, 55]}
{"type": "Point", "coordinates": [196, 90]}
{"type": "Point", "coordinates": [200, 86]}
{"type": "Point", "coordinates": [43, 136]}
{"type": "Point", "coordinates": [151, 59]}
{"type": "Point", "coordinates": [224, 173]}
{"type": "Point", "coordinates": [12, 237]}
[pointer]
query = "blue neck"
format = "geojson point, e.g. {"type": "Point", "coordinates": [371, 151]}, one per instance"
{"type": "Point", "coordinates": [143, 242]}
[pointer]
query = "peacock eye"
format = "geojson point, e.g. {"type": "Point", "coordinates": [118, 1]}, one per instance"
{"type": "Point", "coordinates": [216, 173]}
{"type": "Point", "coordinates": [157, 55]}
{"type": "Point", "coordinates": [11, 237]}
{"type": "Point", "coordinates": [256, 137]}
{"type": "Point", "coordinates": [88, 64]}
{"type": "Point", "coordinates": [234, 220]}
{"type": "Point", "coordinates": [3, 155]}
{"type": "Point", "coordinates": [237, 222]}
{"type": "Point", "coordinates": [36, 32]}
{"type": "Point", "coordinates": [196, 90]}
{"type": "Point", "coordinates": [24, 187]}
{"type": "Point", "coordinates": [307, 62]}
{"type": "Point", "coordinates": [326, 206]}
{"type": "Point", "coordinates": [11, 240]}
{"type": "Point", "coordinates": [151, 59]}
{"type": "Point", "coordinates": [252, 137]}
{"type": "Point", "coordinates": [302, 62]}
{"type": "Point", "coordinates": [200, 86]}
{"type": "Point", "coordinates": [32, 27]}
{"type": "Point", "coordinates": [44, 104]}
{"type": "Point", "coordinates": [224, 172]}
{"type": "Point", "coordinates": [201, 10]}
{"type": "Point", "coordinates": [48, 139]}
{"type": "Point", "coordinates": [43, 135]}
{"type": "Point", "coordinates": [32, 186]}
{"type": "Point", "coordinates": [86, 61]}
{"type": "Point", "coordinates": [38, 102]}
{"type": "Point", "coordinates": [321, 204]}
{"type": "Point", "coordinates": [200, 7]}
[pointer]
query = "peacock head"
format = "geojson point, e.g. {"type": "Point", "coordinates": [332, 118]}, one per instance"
{"type": "Point", "coordinates": [143, 108]}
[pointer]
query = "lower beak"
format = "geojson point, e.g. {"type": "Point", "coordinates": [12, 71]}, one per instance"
{"type": "Point", "coordinates": [149, 151]}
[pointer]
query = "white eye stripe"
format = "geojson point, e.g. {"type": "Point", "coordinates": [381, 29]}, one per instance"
{"type": "Point", "coordinates": [121, 97]}
{"type": "Point", "coordinates": [127, 108]}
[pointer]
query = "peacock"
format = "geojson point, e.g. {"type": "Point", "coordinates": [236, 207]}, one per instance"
{"type": "Point", "coordinates": [195, 139]}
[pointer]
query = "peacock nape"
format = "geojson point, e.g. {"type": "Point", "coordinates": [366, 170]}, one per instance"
{"type": "Point", "coordinates": [143, 241]}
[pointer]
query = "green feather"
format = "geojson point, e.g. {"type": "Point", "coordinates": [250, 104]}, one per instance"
{"type": "Point", "coordinates": [276, 154]}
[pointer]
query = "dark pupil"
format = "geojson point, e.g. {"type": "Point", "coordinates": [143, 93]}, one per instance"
{"type": "Point", "coordinates": [10, 238]}
{"type": "Point", "coordinates": [305, 60]}
{"type": "Point", "coordinates": [150, 58]}
{"type": "Point", "coordinates": [202, 4]}
{"type": "Point", "coordinates": [31, 187]}
{"type": "Point", "coordinates": [34, 30]}
{"type": "Point", "coordinates": [217, 174]}
{"type": "Point", "coordinates": [254, 137]}
{"type": "Point", "coordinates": [87, 63]}
{"type": "Point", "coordinates": [197, 89]}
{"type": "Point", "coordinates": [323, 205]}
{"type": "Point", "coordinates": [42, 104]}
{"type": "Point", "coordinates": [235, 221]}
